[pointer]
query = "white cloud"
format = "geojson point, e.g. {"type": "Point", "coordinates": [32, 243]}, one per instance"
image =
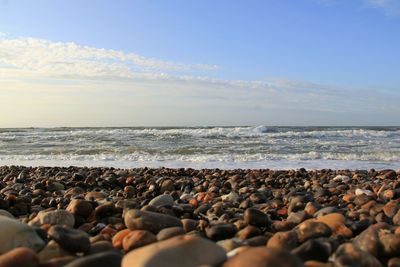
{"type": "Point", "coordinates": [51, 59]}
{"type": "Point", "coordinates": [85, 78]}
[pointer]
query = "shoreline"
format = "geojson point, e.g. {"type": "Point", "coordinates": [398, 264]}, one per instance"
{"type": "Point", "coordinates": [77, 167]}
{"type": "Point", "coordinates": [191, 217]}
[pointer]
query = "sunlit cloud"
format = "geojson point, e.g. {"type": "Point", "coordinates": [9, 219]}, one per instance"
{"type": "Point", "coordinates": [47, 80]}
{"type": "Point", "coordinates": [47, 58]}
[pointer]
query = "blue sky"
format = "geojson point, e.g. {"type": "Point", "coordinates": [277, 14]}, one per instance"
{"type": "Point", "coordinates": [298, 62]}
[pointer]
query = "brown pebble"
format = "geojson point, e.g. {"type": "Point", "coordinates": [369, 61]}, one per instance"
{"type": "Point", "coordinates": [264, 257]}
{"type": "Point", "coordinates": [138, 238]}
{"type": "Point", "coordinates": [19, 257]}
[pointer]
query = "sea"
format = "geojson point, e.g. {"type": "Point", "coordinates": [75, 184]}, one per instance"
{"type": "Point", "coordinates": [251, 147]}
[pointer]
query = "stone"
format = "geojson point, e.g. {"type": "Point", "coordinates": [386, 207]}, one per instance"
{"type": "Point", "coordinates": [341, 178]}
{"type": "Point", "coordinates": [167, 185]}
{"type": "Point", "coordinates": [105, 210]}
{"type": "Point", "coordinates": [58, 262]}
{"type": "Point", "coordinates": [74, 191]}
{"type": "Point", "coordinates": [257, 241]}
{"type": "Point", "coordinates": [336, 222]}
{"type": "Point", "coordinates": [19, 257]}
{"type": "Point", "coordinates": [95, 195]}
{"type": "Point", "coordinates": [333, 220]}
{"type": "Point", "coordinates": [53, 217]}
{"type": "Point", "coordinates": [264, 257]}
{"type": "Point", "coordinates": [15, 234]}
{"type": "Point", "coordinates": [188, 251]}
{"type": "Point", "coordinates": [360, 192]}
{"type": "Point", "coordinates": [325, 211]}
{"type": "Point", "coordinates": [232, 197]}
{"type": "Point", "coordinates": [229, 244]}
{"type": "Point", "coordinates": [118, 237]}
{"type": "Point", "coordinates": [81, 208]}
{"type": "Point", "coordinates": [189, 225]}
{"type": "Point", "coordinates": [312, 229]}
{"type": "Point", "coordinates": [53, 250]}
{"type": "Point", "coordinates": [368, 241]}
{"type": "Point", "coordinates": [151, 221]}
{"type": "Point", "coordinates": [396, 218]}
{"type": "Point", "coordinates": [138, 238]}
{"type": "Point", "coordinates": [256, 217]}
{"type": "Point", "coordinates": [394, 262]}
{"type": "Point", "coordinates": [221, 231]}
{"type": "Point", "coordinates": [391, 208]}
{"type": "Point", "coordinates": [248, 232]}
{"type": "Point", "coordinates": [297, 217]}
{"type": "Point", "coordinates": [318, 264]}
{"type": "Point", "coordinates": [313, 249]}
{"type": "Point", "coordinates": [350, 255]}
{"type": "Point", "coordinates": [70, 239]}
{"type": "Point", "coordinates": [390, 244]}
{"type": "Point", "coordinates": [162, 200]}
{"type": "Point", "coordinates": [170, 232]}
{"type": "Point", "coordinates": [100, 246]}
{"type": "Point", "coordinates": [283, 240]}
{"type": "Point", "coordinates": [6, 213]}
{"type": "Point", "coordinates": [108, 258]}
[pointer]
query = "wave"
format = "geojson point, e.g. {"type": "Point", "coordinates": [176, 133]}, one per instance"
{"type": "Point", "coordinates": [205, 132]}
{"type": "Point", "coordinates": [234, 157]}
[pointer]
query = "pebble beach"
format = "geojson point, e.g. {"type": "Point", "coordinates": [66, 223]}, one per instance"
{"type": "Point", "coordinates": [83, 217]}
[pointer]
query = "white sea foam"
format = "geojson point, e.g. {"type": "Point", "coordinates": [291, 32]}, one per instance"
{"type": "Point", "coordinates": [222, 147]}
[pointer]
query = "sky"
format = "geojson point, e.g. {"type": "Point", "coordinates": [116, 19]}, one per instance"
{"type": "Point", "coordinates": [199, 63]}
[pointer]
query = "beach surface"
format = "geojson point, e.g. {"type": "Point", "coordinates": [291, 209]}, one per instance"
{"type": "Point", "coordinates": [81, 216]}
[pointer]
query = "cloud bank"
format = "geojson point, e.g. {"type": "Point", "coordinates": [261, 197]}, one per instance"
{"type": "Point", "coordinates": [49, 58]}
{"type": "Point", "coordinates": [46, 83]}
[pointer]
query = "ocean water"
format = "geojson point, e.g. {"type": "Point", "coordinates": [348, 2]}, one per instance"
{"type": "Point", "coordinates": [204, 147]}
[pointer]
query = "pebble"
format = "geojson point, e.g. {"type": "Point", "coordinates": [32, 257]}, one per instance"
{"type": "Point", "coordinates": [138, 238]}
{"type": "Point", "coordinates": [162, 200]}
{"type": "Point", "coordinates": [283, 240]}
{"type": "Point", "coordinates": [70, 239]}
{"type": "Point", "coordinates": [312, 229]}
{"type": "Point", "coordinates": [314, 249]}
{"type": "Point", "coordinates": [170, 232]}
{"type": "Point", "coordinates": [390, 244]}
{"type": "Point", "coordinates": [307, 214]}
{"type": "Point", "coordinates": [264, 257]}
{"type": "Point", "coordinates": [102, 259]}
{"type": "Point", "coordinates": [53, 217]}
{"type": "Point", "coordinates": [53, 250]}
{"type": "Point", "coordinates": [118, 237]}
{"type": "Point", "coordinates": [350, 255]}
{"type": "Point", "coordinates": [221, 231]}
{"type": "Point", "coordinates": [58, 262]}
{"type": "Point", "coordinates": [256, 217]}
{"type": "Point", "coordinates": [248, 232]}
{"type": "Point", "coordinates": [19, 257]}
{"type": "Point", "coordinates": [360, 192]}
{"type": "Point", "coordinates": [80, 207]}
{"type": "Point", "coordinates": [192, 251]}
{"type": "Point", "coordinates": [15, 234]}
{"type": "Point", "coordinates": [151, 221]}
{"type": "Point", "coordinates": [6, 214]}
{"type": "Point", "coordinates": [100, 246]}
{"type": "Point", "coordinates": [341, 178]}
